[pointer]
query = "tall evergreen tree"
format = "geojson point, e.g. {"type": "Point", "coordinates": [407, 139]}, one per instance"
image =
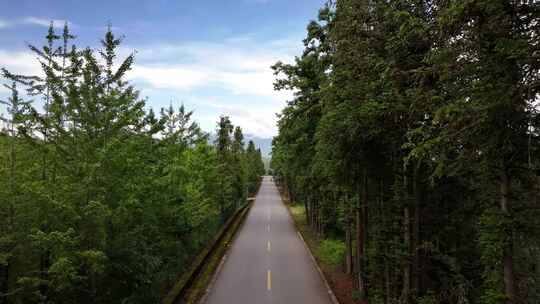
{"type": "Point", "coordinates": [425, 131]}
{"type": "Point", "coordinates": [104, 202]}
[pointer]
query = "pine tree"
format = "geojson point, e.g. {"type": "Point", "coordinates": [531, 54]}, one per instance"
{"type": "Point", "coordinates": [424, 129]}
{"type": "Point", "coordinates": [223, 145]}
{"type": "Point", "coordinates": [12, 136]}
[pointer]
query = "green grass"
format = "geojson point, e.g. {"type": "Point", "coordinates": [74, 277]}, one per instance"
{"type": "Point", "coordinates": [328, 251]}
{"type": "Point", "coordinates": [299, 213]}
{"type": "Point", "coordinates": [331, 251]}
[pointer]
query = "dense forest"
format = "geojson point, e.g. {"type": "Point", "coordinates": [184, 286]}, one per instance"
{"type": "Point", "coordinates": [412, 139]}
{"type": "Point", "coordinates": [101, 199]}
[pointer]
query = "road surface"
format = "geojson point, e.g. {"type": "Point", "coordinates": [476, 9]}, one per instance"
{"type": "Point", "coordinates": [268, 262]}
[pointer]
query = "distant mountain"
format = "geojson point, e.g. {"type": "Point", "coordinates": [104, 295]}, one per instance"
{"type": "Point", "coordinates": [265, 144]}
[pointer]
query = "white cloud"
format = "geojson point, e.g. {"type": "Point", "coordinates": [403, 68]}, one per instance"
{"type": "Point", "coordinates": [44, 22]}
{"type": "Point", "coordinates": [57, 23]}
{"type": "Point", "coordinates": [240, 66]}
{"type": "Point", "coordinates": [3, 89]}
{"type": "Point", "coordinates": [4, 24]}
{"type": "Point", "coordinates": [190, 78]}
{"type": "Point", "coordinates": [253, 120]}
{"type": "Point", "coordinates": [20, 62]}
{"type": "Point", "coordinates": [182, 78]}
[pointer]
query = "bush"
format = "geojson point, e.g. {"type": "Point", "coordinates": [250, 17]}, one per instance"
{"type": "Point", "coordinates": [332, 251]}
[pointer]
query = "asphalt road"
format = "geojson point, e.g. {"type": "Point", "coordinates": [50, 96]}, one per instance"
{"type": "Point", "coordinates": [268, 262]}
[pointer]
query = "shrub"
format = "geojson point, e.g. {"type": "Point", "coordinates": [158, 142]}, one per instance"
{"type": "Point", "coordinates": [332, 251]}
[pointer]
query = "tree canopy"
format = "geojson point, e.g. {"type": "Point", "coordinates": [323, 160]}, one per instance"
{"type": "Point", "coordinates": [102, 200]}
{"type": "Point", "coordinates": [417, 122]}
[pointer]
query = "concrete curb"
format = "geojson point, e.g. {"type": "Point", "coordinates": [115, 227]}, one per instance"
{"type": "Point", "coordinates": [186, 281]}
{"type": "Point", "coordinates": [321, 273]}
{"type": "Point", "coordinates": [213, 280]}
{"type": "Point", "coordinates": [251, 202]}
{"type": "Point", "coordinates": [331, 294]}
{"type": "Point", "coordinates": [222, 262]}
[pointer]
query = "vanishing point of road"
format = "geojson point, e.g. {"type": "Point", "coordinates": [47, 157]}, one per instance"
{"type": "Point", "coordinates": [268, 262]}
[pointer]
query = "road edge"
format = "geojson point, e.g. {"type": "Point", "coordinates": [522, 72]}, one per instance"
{"type": "Point", "coordinates": [213, 280]}
{"type": "Point", "coordinates": [331, 294]}
{"type": "Point", "coordinates": [219, 268]}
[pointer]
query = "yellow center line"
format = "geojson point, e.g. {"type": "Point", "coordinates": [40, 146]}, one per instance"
{"type": "Point", "coordinates": [269, 280]}
{"type": "Point", "coordinates": [268, 246]}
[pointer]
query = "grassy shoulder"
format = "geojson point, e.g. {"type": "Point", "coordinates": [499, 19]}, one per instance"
{"type": "Point", "coordinates": [329, 254]}
{"type": "Point", "coordinates": [328, 251]}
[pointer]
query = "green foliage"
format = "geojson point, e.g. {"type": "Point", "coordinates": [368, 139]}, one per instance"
{"type": "Point", "coordinates": [355, 295]}
{"type": "Point", "coordinates": [413, 130]}
{"type": "Point", "coordinates": [332, 251]}
{"type": "Point", "coordinates": [100, 200]}
{"type": "Point", "coordinates": [427, 299]}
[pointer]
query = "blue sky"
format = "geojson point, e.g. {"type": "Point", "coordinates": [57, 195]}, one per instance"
{"type": "Point", "coordinates": [212, 55]}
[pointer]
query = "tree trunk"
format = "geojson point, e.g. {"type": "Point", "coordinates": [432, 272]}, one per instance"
{"type": "Point", "coordinates": [319, 223]}
{"type": "Point", "coordinates": [348, 248]}
{"type": "Point", "coordinates": [415, 242]}
{"type": "Point", "coordinates": [315, 216]}
{"type": "Point", "coordinates": [306, 207]}
{"type": "Point", "coordinates": [508, 263]}
{"type": "Point", "coordinates": [360, 245]}
{"type": "Point", "coordinates": [311, 208]}
{"type": "Point", "coordinates": [320, 226]}
{"type": "Point", "coordinates": [384, 246]}
{"type": "Point", "coordinates": [44, 276]}
{"type": "Point", "coordinates": [348, 240]}
{"type": "Point", "coordinates": [365, 217]}
{"type": "Point", "coordinates": [359, 252]}
{"type": "Point", "coordinates": [4, 283]}
{"type": "Point", "coordinates": [387, 286]}
{"type": "Point", "coordinates": [406, 265]}
{"type": "Point", "coordinates": [310, 213]}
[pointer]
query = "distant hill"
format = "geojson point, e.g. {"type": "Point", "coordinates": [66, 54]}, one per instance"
{"type": "Point", "coordinates": [265, 144]}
